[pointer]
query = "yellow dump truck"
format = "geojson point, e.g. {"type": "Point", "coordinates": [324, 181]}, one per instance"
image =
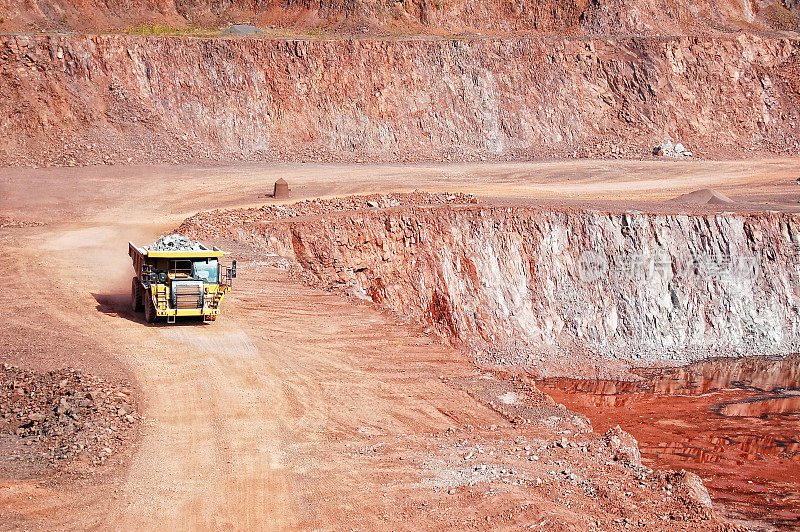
{"type": "Point", "coordinates": [174, 279]}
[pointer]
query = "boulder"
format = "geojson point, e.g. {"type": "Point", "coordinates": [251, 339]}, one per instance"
{"type": "Point", "coordinates": [624, 447]}
{"type": "Point", "coordinates": [692, 485]}
{"type": "Point", "coordinates": [668, 149]}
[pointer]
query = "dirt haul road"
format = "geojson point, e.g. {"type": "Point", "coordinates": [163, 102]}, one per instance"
{"type": "Point", "coordinates": [299, 409]}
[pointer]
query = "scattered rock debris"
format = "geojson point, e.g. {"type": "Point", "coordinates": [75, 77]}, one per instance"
{"type": "Point", "coordinates": [217, 223]}
{"type": "Point", "coordinates": [573, 470]}
{"type": "Point", "coordinates": [668, 149]}
{"type": "Point", "coordinates": [10, 222]}
{"type": "Point", "coordinates": [53, 418]}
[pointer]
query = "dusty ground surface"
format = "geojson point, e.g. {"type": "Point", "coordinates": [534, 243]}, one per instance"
{"type": "Point", "coordinates": [298, 408]}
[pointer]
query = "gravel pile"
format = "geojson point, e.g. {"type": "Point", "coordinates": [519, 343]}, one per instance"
{"type": "Point", "coordinates": [242, 29]}
{"type": "Point", "coordinates": [47, 419]}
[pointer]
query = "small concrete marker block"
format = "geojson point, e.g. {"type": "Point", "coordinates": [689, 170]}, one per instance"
{"type": "Point", "coordinates": [281, 190]}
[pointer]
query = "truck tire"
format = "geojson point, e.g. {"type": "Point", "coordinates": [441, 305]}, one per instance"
{"type": "Point", "coordinates": [136, 295]}
{"type": "Point", "coordinates": [149, 308]}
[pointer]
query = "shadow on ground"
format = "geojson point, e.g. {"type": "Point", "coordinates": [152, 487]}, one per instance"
{"type": "Point", "coordinates": [118, 305]}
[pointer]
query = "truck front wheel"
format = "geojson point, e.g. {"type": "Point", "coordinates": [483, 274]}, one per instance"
{"type": "Point", "coordinates": [149, 308]}
{"type": "Point", "coordinates": [136, 295]}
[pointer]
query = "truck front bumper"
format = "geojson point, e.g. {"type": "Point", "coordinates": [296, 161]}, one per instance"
{"type": "Point", "coordinates": [187, 312]}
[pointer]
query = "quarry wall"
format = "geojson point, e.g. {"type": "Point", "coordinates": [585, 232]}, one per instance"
{"type": "Point", "coordinates": [516, 283]}
{"type": "Point", "coordinates": [79, 99]}
{"type": "Point", "coordinates": [410, 16]}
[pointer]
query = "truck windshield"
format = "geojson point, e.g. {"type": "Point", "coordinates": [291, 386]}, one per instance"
{"type": "Point", "coordinates": [207, 270]}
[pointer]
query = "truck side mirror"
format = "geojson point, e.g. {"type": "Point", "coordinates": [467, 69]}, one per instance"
{"type": "Point", "coordinates": [233, 270]}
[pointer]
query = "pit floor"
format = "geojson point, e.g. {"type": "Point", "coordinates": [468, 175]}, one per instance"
{"type": "Point", "coordinates": [268, 417]}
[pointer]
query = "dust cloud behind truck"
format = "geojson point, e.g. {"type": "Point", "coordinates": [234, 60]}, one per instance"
{"type": "Point", "coordinates": [178, 277]}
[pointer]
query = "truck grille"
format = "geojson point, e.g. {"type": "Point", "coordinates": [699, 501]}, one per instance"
{"type": "Point", "coordinates": [187, 294]}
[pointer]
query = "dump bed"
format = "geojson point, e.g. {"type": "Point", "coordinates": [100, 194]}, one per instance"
{"type": "Point", "coordinates": [137, 256]}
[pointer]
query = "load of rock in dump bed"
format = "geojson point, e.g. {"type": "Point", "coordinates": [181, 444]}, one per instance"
{"type": "Point", "coordinates": [175, 242]}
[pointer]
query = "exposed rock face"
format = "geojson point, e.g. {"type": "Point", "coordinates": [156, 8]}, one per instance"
{"type": "Point", "coordinates": [86, 99]}
{"type": "Point", "coordinates": [520, 283]}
